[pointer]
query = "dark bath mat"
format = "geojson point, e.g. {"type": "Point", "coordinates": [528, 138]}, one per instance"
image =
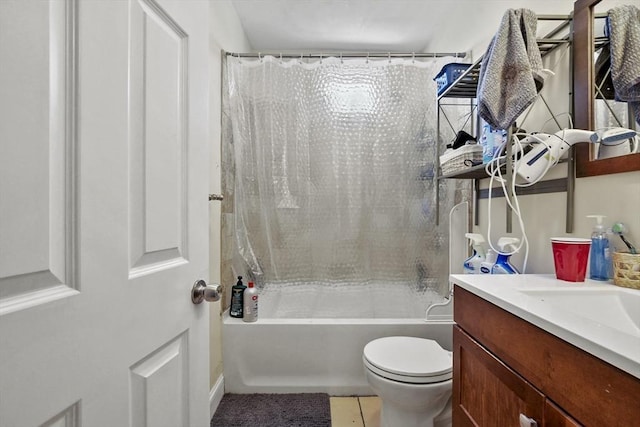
{"type": "Point", "coordinates": [273, 410]}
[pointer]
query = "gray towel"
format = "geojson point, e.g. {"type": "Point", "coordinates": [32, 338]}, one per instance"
{"type": "Point", "coordinates": [624, 40]}
{"type": "Point", "coordinates": [509, 71]}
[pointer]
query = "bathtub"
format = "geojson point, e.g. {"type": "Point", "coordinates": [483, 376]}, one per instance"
{"type": "Point", "coordinates": [310, 339]}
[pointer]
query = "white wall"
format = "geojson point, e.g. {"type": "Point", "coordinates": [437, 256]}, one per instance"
{"type": "Point", "coordinates": [617, 196]}
{"type": "Point", "coordinates": [226, 34]}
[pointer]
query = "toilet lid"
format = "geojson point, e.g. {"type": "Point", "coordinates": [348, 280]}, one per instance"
{"type": "Point", "coordinates": [408, 359]}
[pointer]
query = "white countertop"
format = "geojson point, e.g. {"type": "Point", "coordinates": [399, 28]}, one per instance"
{"type": "Point", "coordinates": [589, 315]}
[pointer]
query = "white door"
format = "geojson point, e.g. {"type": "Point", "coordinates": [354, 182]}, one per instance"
{"type": "Point", "coordinates": [103, 212]}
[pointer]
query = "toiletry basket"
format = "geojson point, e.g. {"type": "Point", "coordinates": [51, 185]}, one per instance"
{"type": "Point", "coordinates": [448, 74]}
{"type": "Point", "coordinates": [454, 161]}
{"type": "Point", "coordinates": [626, 270]}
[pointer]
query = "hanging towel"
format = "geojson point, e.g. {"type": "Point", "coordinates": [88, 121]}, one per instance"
{"type": "Point", "coordinates": [510, 69]}
{"type": "Point", "coordinates": [624, 39]}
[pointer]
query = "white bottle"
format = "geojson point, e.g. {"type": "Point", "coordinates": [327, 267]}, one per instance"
{"type": "Point", "coordinates": [487, 265]}
{"type": "Point", "coordinates": [473, 263]}
{"type": "Point", "coordinates": [250, 299]}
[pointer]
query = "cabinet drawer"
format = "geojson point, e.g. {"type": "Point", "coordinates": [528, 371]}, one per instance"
{"type": "Point", "coordinates": [592, 391]}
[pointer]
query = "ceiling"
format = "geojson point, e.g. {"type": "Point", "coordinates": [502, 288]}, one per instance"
{"type": "Point", "coordinates": [379, 25]}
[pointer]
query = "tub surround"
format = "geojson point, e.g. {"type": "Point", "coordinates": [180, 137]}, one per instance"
{"type": "Point", "coordinates": [596, 317]}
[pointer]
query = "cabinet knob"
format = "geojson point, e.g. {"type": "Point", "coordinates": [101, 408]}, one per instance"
{"type": "Point", "coordinates": [527, 422]}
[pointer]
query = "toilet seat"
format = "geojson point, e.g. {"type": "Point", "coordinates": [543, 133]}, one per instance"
{"type": "Point", "coordinates": [408, 359]}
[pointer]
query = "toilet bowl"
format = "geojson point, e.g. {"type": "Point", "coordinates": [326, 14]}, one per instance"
{"type": "Point", "coordinates": [412, 377]}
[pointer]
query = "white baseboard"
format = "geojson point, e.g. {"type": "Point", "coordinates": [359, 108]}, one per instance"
{"type": "Point", "coordinates": [215, 395]}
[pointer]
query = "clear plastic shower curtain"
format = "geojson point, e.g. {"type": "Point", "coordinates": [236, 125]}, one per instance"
{"type": "Point", "coordinates": [330, 168]}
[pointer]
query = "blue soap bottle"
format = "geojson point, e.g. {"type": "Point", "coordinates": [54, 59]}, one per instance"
{"type": "Point", "coordinates": [600, 267]}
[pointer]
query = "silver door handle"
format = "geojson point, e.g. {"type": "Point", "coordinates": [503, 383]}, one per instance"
{"type": "Point", "coordinates": [201, 292]}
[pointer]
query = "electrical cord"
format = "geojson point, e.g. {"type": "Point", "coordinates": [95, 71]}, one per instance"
{"type": "Point", "coordinates": [493, 169]}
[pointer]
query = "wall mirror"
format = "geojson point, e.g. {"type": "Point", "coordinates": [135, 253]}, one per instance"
{"type": "Point", "coordinates": [585, 43]}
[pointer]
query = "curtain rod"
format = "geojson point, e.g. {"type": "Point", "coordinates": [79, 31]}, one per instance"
{"type": "Point", "coordinates": [350, 55]}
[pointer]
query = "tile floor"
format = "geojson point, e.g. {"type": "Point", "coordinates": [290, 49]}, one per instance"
{"type": "Point", "coordinates": [363, 411]}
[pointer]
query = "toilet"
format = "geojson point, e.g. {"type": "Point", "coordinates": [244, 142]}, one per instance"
{"type": "Point", "coordinates": [413, 378]}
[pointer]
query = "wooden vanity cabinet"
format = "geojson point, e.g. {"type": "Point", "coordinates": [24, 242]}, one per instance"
{"type": "Point", "coordinates": [486, 391]}
{"type": "Point", "coordinates": [504, 366]}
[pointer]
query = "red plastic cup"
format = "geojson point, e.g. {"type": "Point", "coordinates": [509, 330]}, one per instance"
{"type": "Point", "coordinates": [570, 256]}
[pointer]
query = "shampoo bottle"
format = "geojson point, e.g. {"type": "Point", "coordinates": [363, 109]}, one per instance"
{"type": "Point", "coordinates": [503, 265]}
{"type": "Point", "coordinates": [250, 298]}
{"type": "Point", "coordinates": [237, 293]}
{"type": "Point", "coordinates": [473, 263]}
{"type": "Point", "coordinates": [600, 266]}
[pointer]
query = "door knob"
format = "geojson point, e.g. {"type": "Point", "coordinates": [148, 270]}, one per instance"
{"type": "Point", "coordinates": [201, 292]}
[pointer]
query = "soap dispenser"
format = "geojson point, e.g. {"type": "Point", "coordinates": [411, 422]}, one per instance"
{"type": "Point", "coordinates": [600, 267]}
{"type": "Point", "coordinates": [473, 263]}
{"type": "Point", "coordinates": [503, 265]}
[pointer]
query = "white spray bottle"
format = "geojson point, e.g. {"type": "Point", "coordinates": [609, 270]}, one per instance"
{"type": "Point", "coordinates": [472, 264]}
{"type": "Point", "coordinates": [502, 265]}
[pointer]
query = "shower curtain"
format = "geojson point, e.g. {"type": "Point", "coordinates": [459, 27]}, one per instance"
{"type": "Point", "coordinates": [329, 165]}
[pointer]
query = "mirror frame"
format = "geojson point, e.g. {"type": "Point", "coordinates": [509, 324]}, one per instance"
{"type": "Point", "coordinates": [583, 96]}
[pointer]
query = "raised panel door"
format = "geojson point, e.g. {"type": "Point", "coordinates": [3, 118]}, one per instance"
{"type": "Point", "coordinates": [103, 212]}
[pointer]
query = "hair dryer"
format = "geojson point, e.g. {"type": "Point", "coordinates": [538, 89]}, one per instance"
{"type": "Point", "coordinates": [548, 149]}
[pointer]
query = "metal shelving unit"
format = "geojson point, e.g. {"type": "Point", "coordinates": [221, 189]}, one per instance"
{"type": "Point", "coordinates": [466, 86]}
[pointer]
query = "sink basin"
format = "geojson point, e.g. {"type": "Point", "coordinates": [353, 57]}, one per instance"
{"type": "Point", "coordinates": [613, 307]}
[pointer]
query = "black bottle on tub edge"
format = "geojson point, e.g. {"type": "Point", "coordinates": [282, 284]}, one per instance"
{"type": "Point", "coordinates": [237, 302]}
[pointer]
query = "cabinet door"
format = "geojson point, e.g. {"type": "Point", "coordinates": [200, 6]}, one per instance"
{"type": "Point", "coordinates": [486, 392]}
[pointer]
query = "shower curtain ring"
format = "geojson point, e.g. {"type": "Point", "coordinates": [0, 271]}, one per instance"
{"type": "Point", "coordinates": [260, 56]}
{"type": "Point", "coordinates": [281, 57]}
{"type": "Point", "coordinates": [413, 57]}
{"type": "Point", "coordinates": [367, 57]}
{"type": "Point", "coordinates": [341, 61]}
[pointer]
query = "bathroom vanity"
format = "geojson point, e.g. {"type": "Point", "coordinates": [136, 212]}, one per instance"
{"type": "Point", "coordinates": [531, 350]}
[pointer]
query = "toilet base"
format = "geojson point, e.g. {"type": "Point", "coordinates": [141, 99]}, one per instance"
{"type": "Point", "coordinates": [444, 419]}
{"type": "Point", "coordinates": [411, 405]}
{"type": "Point", "coordinates": [393, 415]}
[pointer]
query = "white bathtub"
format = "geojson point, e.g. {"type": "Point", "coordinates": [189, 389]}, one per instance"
{"type": "Point", "coordinates": [318, 346]}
